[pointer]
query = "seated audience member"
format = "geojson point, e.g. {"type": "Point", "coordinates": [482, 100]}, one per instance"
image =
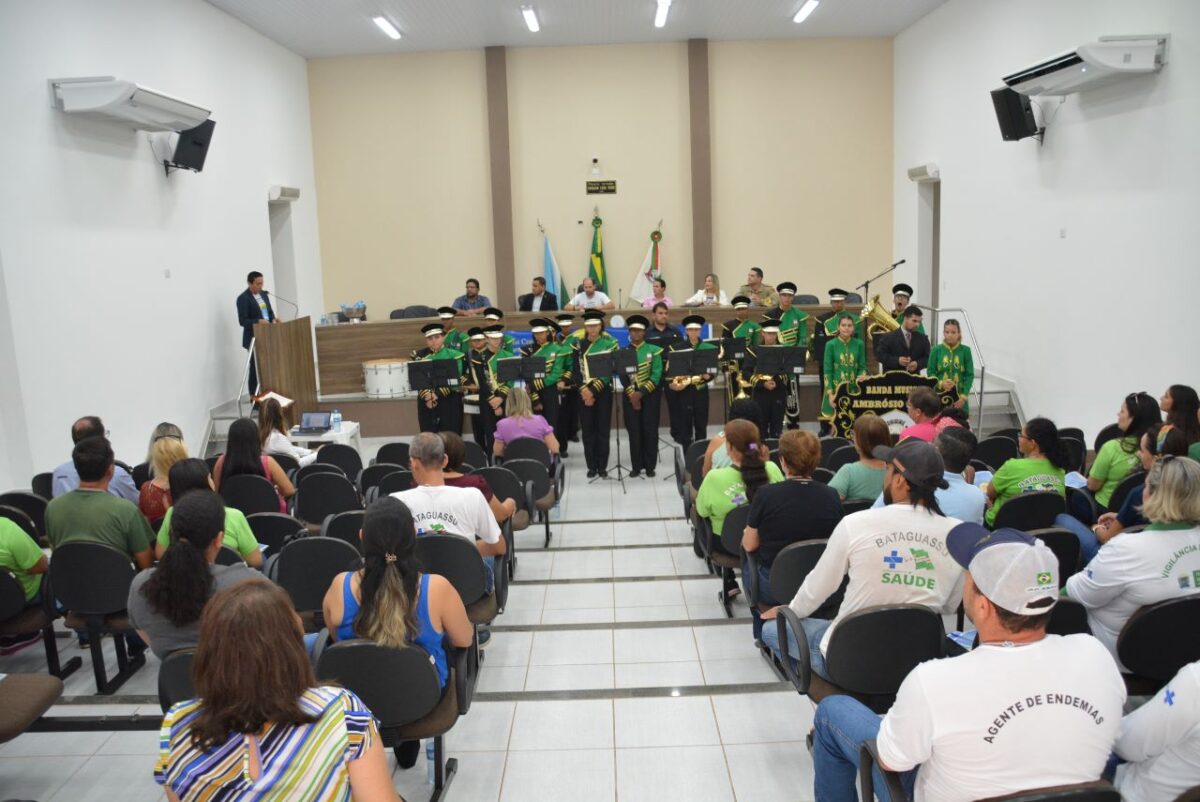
{"type": "Point", "coordinates": [521, 421]}
{"type": "Point", "coordinates": [154, 497]}
{"type": "Point", "coordinates": [164, 429]}
{"type": "Point", "coordinates": [717, 454]}
{"type": "Point", "coordinates": [1153, 447]}
{"type": "Point", "coordinates": [21, 556]}
{"type": "Point", "coordinates": [1043, 466]}
{"type": "Point", "coordinates": [961, 499]}
{"type": "Point", "coordinates": [894, 555]}
{"type": "Point", "coordinates": [1161, 742]}
{"type": "Point", "coordinates": [1117, 458]}
{"type": "Point", "coordinates": [863, 478]}
{"type": "Point", "coordinates": [789, 512]}
{"type": "Point", "coordinates": [1023, 710]}
{"type": "Point", "coordinates": [924, 408]}
{"type": "Point", "coordinates": [243, 455]}
{"type": "Point", "coordinates": [438, 508]}
{"type": "Point", "coordinates": [165, 602]}
{"type": "Point", "coordinates": [1182, 407]}
{"type": "Point", "coordinates": [456, 454]}
{"type": "Point", "coordinates": [192, 474]}
{"type": "Point", "coordinates": [1136, 569]}
{"type": "Point", "coordinates": [471, 303]}
{"type": "Point", "coordinates": [90, 514]}
{"type": "Point", "coordinates": [261, 727]}
{"type": "Point", "coordinates": [273, 435]}
{"type": "Point", "coordinates": [659, 295]}
{"type": "Point", "coordinates": [590, 298]}
{"type": "Point", "coordinates": [66, 478]}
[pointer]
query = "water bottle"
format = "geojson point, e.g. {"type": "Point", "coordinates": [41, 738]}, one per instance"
{"type": "Point", "coordinates": [429, 760]}
{"type": "Point", "coordinates": [335, 420]}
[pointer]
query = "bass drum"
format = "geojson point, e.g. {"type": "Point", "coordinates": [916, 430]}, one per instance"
{"type": "Point", "coordinates": [386, 378]}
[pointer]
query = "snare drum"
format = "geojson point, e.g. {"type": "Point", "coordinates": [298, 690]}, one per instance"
{"type": "Point", "coordinates": [386, 378]}
{"type": "Point", "coordinates": [471, 404]}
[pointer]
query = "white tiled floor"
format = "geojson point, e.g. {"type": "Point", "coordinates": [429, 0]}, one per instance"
{"type": "Point", "coordinates": [581, 618]}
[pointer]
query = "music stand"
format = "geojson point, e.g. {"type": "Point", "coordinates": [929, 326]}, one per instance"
{"type": "Point", "coordinates": [606, 365]}
{"type": "Point", "coordinates": [733, 348]}
{"type": "Point", "coordinates": [680, 364]}
{"type": "Point", "coordinates": [704, 361]}
{"type": "Point", "coordinates": [778, 360]}
{"type": "Point", "coordinates": [508, 370]}
{"type": "Point", "coordinates": [795, 361]}
{"type": "Point", "coordinates": [433, 374]}
{"type": "Point", "coordinates": [533, 367]}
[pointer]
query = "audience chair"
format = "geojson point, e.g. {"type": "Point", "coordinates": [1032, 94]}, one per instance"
{"type": "Point", "coordinates": [315, 467]}
{"type": "Point", "coordinates": [32, 505]}
{"type": "Point", "coordinates": [273, 530]}
{"type": "Point", "coordinates": [92, 580]}
{"type": "Point", "coordinates": [806, 300]}
{"type": "Point", "coordinates": [792, 564]}
{"type": "Point", "coordinates": [475, 455]}
{"type": "Point", "coordinates": [1072, 431]}
{"type": "Point", "coordinates": [772, 443]}
{"type": "Point", "coordinates": [42, 485]}
{"type": "Point", "coordinates": [823, 475]}
{"type": "Point", "coordinates": [344, 526]}
{"type": "Point", "coordinates": [175, 679]}
{"type": "Point", "coordinates": [680, 476]}
{"type": "Point", "coordinates": [24, 698]}
{"type": "Point", "coordinates": [322, 494]}
{"type": "Point", "coordinates": [400, 687]}
{"type": "Point", "coordinates": [392, 482]}
{"type": "Point", "coordinates": [1013, 434]}
{"type": "Point", "coordinates": [371, 475]}
{"type": "Point", "coordinates": [1030, 511]}
{"type": "Point", "coordinates": [1158, 640]}
{"type": "Point", "coordinates": [1065, 545]}
{"type": "Point", "coordinates": [141, 474]}
{"type": "Point", "coordinates": [541, 494]}
{"type": "Point", "coordinates": [853, 298]}
{"type": "Point", "coordinates": [724, 551]}
{"type": "Point", "coordinates": [1082, 505]}
{"type": "Point", "coordinates": [250, 494]}
{"type": "Point", "coordinates": [1135, 479]}
{"type": "Point", "coordinates": [212, 462]}
{"type": "Point", "coordinates": [456, 558]}
{"type": "Point", "coordinates": [306, 567]}
{"type": "Point", "coordinates": [506, 485]}
{"type": "Point", "coordinates": [17, 617]}
{"type": "Point", "coordinates": [1077, 452]}
{"type": "Point", "coordinates": [342, 456]}
{"type": "Point", "coordinates": [419, 310]}
{"type": "Point", "coordinates": [1110, 432]}
{"type": "Point", "coordinates": [532, 448]}
{"type": "Point", "coordinates": [228, 555]}
{"type": "Point", "coordinates": [980, 465]}
{"type": "Point", "coordinates": [395, 453]}
{"type": "Point", "coordinates": [1068, 617]}
{"type": "Point", "coordinates": [693, 460]}
{"type": "Point", "coordinates": [286, 461]}
{"type": "Point", "coordinates": [830, 445]}
{"type": "Point", "coordinates": [868, 764]}
{"type": "Point", "coordinates": [843, 456]}
{"type": "Point", "coordinates": [996, 451]}
{"type": "Point", "coordinates": [22, 520]}
{"type": "Point", "coordinates": [870, 652]}
{"type": "Point", "coordinates": [396, 314]}
{"type": "Point", "coordinates": [852, 505]}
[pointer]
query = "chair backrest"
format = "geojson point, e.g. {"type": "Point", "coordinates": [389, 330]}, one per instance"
{"type": "Point", "coordinates": [419, 310]}
{"type": "Point", "coordinates": [42, 485]}
{"type": "Point", "coordinates": [504, 484]}
{"type": "Point", "coordinates": [398, 686]}
{"type": "Point", "coordinates": [91, 578]}
{"type": "Point", "coordinates": [772, 443]}
{"type": "Point", "coordinates": [843, 456]}
{"type": "Point", "coordinates": [141, 474]}
{"type": "Point", "coordinates": [345, 526]}
{"type": "Point", "coordinates": [1095, 791]}
{"type": "Point", "coordinates": [371, 475]}
{"type": "Point", "coordinates": [807, 300]}
{"type": "Point", "coordinates": [823, 475]}
{"type": "Point", "coordinates": [1071, 431]}
{"type": "Point", "coordinates": [274, 529]}
{"type": "Point", "coordinates": [1013, 434]}
{"type": "Point", "coordinates": [175, 678]}
{"type": "Point", "coordinates": [227, 555]}
{"type": "Point", "coordinates": [212, 462]}
{"type": "Point", "coordinates": [1082, 505]}
{"type": "Point", "coordinates": [1119, 494]}
{"type": "Point", "coordinates": [1030, 511]}
{"type": "Point", "coordinates": [872, 650]}
{"type": "Point", "coordinates": [980, 465]}
{"type": "Point", "coordinates": [474, 454]}
{"type": "Point", "coordinates": [322, 494]}
{"type": "Point", "coordinates": [457, 559]}
{"type": "Point", "coordinates": [830, 445]}
{"type": "Point", "coordinates": [527, 448]}
{"type": "Point", "coordinates": [394, 482]}
{"type": "Point", "coordinates": [733, 528]}
{"type": "Point", "coordinates": [853, 298]}
{"type": "Point", "coordinates": [287, 462]}
{"type": "Point", "coordinates": [31, 504]}
{"type": "Point", "coordinates": [792, 564]}
{"type": "Point", "coordinates": [12, 595]}
{"type": "Point", "coordinates": [1065, 545]}
{"type": "Point", "coordinates": [1068, 617]}
{"type": "Point", "coordinates": [341, 455]}
{"type": "Point", "coordinates": [396, 314]}
{"type": "Point", "coordinates": [1076, 451]}
{"type": "Point", "coordinates": [20, 519]}
{"type": "Point", "coordinates": [531, 470]}
{"type": "Point", "coordinates": [250, 494]}
{"type": "Point", "coordinates": [395, 453]}
{"type": "Point", "coordinates": [308, 565]}
{"type": "Point", "coordinates": [315, 467]}
{"type": "Point", "coordinates": [996, 451]}
{"type": "Point", "coordinates": [695, 451]}
{"type": "Point", "coordinates": [1159, 639]}
{"type": "Point", "coordinates": [1110, 432]}
{"type": "Point", "coordinates": [852, 505]}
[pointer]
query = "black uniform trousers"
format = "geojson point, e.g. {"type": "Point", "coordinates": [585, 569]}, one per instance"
{"type": "Point", "coordinates": [447, 416]}
{"type": "Point", "coordinates": [771, 406]}
{"type": "Point", "coordinates": [595, 422]}
{"type": "Point", "coordinates": [642, 426]}
{"type": "Point", "coordinates": [548, 398]}
{"type": "Point", "coordinates": [568, 418]}
{"type": "Point", "coordinates": [688, 410]}
{"type": "Point", "coordinates": [483, 427]}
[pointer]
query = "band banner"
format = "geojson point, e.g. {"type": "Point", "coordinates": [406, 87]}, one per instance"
{"type": "Point", "coordinates": [878, 395]}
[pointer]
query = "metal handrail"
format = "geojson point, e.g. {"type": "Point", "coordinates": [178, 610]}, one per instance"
{"type": "Point", "coordinates": [977, 352]}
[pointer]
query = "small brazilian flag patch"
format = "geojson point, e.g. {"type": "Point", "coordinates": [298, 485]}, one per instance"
{"type": "Point", "coordinates": [1043, 578]}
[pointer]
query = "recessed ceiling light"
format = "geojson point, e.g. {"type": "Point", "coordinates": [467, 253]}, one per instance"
{"type": "Point", "coordinates": [386, 27]}
{"type": "Point", "coordinates": [531, 20]}
{"type": "Point", "coordinates": [660, 16]}
{"type": "Point", "coordinates": [809, 7]}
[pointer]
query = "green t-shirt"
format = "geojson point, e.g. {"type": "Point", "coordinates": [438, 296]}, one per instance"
{"type": "Point", "coordinates": [91, 516]}
{"type": "Point", "coordinates": [18, 553]}
{"type": "Point", "coordinates": [1025, 475]}
{"type": "Point", "coordinates": [857, 480]}
{"type": "Point", "coordinates": [1194, 451]}
{"type": "Point", "coordinates": [723, 490]}
{"type": "Point", "coordinates": [1112, 465]}
{"type": "Point", "coordinates": [238, 534]}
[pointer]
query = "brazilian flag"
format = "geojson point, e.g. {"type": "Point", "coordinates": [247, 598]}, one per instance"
{"type": "Point", "coordinates": [596, 270]}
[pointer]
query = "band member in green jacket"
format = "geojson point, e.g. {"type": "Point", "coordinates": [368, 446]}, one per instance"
{"type": "Point", "coordinates": [951, 364]}
{"type": "Point", "coordinates": [643, 397]}
{"type": "Point", "coordinates": [845, 361]}
{"type": "Point", "coordinates": [687, 396]}
{"type": "Point", "coordinates": [544, 392]}
{"type": "Point", "coordinates": [440, 410]}
{"type": "Point", "coordinates": [595, 393]}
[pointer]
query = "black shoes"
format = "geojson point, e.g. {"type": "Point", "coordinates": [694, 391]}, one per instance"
{"type": "Point", "coordinates": [591, 474]}
{"type": "Point", "coordinates": [634, 474]}
{"type": "Point", "coordinates": [603, 474]}
{"type": "Point", "coordinates": [650, 473]}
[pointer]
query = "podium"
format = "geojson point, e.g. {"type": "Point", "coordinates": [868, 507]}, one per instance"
{"type": "Point", "coordinates": [285, 362]}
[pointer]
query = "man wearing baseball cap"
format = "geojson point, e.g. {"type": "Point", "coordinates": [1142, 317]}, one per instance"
{"type": "Point", "coordinates": [893, 555]}
{"type": "Point", "coordinates": [1023, 710]}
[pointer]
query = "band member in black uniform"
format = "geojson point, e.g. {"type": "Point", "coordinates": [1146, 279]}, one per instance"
{"type": "Point", "coordinates": [544, 392]}
{"type": "Point", "coordinates": [477, 385]}
{"type": "Point", "coordinates": [491, 400]}
{"type": "Point", "coordinates": [440, 410]}
{"type": "Point", "coordinates": [687, 396]}
{"type": "Point", "coordinates": [566, 428]}
{"type": "Point", "coordinates": [642, 399]}
{"type": "Point", "coordinates": [595, 393]}
{"type": "Point", "coordinates": [769, 390]}
{"type": "Point", "coordinates": [740, 327]}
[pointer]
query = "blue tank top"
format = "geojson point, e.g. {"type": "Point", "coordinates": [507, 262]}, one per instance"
{"type": "Point", "coordinates": [428, 638]}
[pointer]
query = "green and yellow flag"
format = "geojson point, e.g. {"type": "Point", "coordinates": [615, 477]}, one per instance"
{"type": "Point", "coordinates": [596, 269]}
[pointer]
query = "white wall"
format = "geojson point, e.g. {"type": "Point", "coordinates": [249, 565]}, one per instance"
{"type": "Point", "coordinates": [89, 223]}
{"type": "Point", "coordinates": [1078, 321]}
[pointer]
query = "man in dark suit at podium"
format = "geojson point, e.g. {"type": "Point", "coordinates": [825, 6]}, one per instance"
{"type": "Point", "coordinates": [906, 348]}
{"type": "Point", "coordinates": [253, 307]}
{"type": "Point", "coordinates": [539, 300]}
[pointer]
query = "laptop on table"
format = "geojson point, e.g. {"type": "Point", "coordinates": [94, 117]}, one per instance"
{"type": "Point", "coordinates": [314, 423]}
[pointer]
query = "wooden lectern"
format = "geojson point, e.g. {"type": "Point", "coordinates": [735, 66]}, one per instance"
{"type": "Point", "coordinates": [285, 362]}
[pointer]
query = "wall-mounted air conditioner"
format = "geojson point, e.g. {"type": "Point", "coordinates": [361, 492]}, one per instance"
{"type": "Point", "coordinates": [106, 98]}
{"type": "Point", "coordinates": [1112, 58]}
{"type": "Point", "coordinates": [281, 194]}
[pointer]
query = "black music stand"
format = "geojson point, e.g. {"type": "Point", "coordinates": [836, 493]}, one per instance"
{"type": "Point", "coordinates": [606, 364]}
{"type": "Point", "coordinates": [533, 367]}
{"type": "Point", "coordinates": [508, 370]}
{"type": "Point", "coordinates": [434, 374]}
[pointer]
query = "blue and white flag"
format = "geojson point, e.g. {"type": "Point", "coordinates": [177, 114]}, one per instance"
{"type": "Point", "coordinates": [550, 272]}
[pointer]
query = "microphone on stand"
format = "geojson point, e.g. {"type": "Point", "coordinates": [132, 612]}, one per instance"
{"type": "Point", "coordinates": [897, 264]}
{"type": "Point", "coordinates": [286, 301]}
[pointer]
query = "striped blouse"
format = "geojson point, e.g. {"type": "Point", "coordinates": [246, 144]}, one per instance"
{"type": "Point", "coordinates": [298, 762]}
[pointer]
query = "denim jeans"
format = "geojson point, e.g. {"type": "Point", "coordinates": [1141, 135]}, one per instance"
{"type": "Point", "coordinates": [1089, 544]}
{"type": "Point", "coordinates": [814, 630]}
{"type": "Point", "coordinates": [489, 567]}
{"type": "Point", "coordinates": [764, 593]}
{"type": "Point", "coordinates": [841, 725]}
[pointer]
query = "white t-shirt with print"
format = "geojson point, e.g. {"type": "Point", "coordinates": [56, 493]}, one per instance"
{"type": "Point", "coordinates": [1135, 569]}
{"type": "Point", "coordinates": [1002, 719]}
{"type": "Point", "coordinates": [582, 301]}
{"type": "Point", "coordinates": [445, 509]}
{"type": "Point", "coordinates": [893, 555]}
{"type": "Point", "coordinates": [1161, 739]}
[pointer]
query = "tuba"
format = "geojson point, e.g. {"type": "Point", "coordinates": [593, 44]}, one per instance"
{"type": "Point", "coordinates": [877, 320]}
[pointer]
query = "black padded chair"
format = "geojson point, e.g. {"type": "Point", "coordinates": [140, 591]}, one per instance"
{"type": "Point", "coordinates": [506, 485]}
{"type": "Point", "coordinates": [22, 520]}
{"type": "Point", "coordinates": [315, 467]}
{"type": "Point", "coordinates": [419, 310]}
{"type": "Point", "coordinates": [286, 461]}
{"type": "Point", "coordinates": [1065, 546]}
{"type": "Point", "coordinates": [175, 679]}
{"type": "Point", "coordinates": [1110, 432]}
{"type": "Point", "coordinates": [823, 475]}
{"type": "Point", "coordinates": [1068, 617]}
{"type": "Point", "coordinates": [980, 465]}
{"type": "Point", "coordinates": [792, 564]}
{"type": "Point", "coordinates": [1158, 640]}
{"type": "Point", "coordinates": [725, 551]}
{"type": "Point", "coordinates": [29, 503]}
{"type": "Point", "coordinates": [806, 300]}
{"type": "Point", "coordinates": [345, 526]}
{"type": "Point", "coordinates": [392, 482]}
{"type": "Point", "coordinates": [400, 687]}
{"type": "Point", "coordinates": [395, 453]}
{"type": "Point", "coordinates": [17, 617]}
{"type": "Point", "coordinates": [853, 505]}
{"type": "Point", "coordinates": [456, 558]}
{"type": "Point", "coordinates": [92, 581]}
{"type": "Point", "coordinates": [342, 456]}
{"type": "Point", "coordinates": [693, 460]}
{"type": "Point", "coordinates": [1071, 431]}
{"type": "Point", "coordinates": [996, 451]}
{"type": "Point", "coordinates": [1013, 434]}
{"type": "Point", "coordinates": [532, 448]}
{"type": "Point", "coordinates": [1082, 504]}
{"type": "Point", "coordinates": [228, 555]}
{"type": "Point", "coordinates": [306, 567]}
{"type": "Point", "coordinates": [141, 474]}
{"type": "Point", "coordinates": [250, 494]}
{"type": "Point", "coordinates": [42, 485]}
{"type": "Point", "coordinates": [274, 530]}
{"type": "Point", "coordinates": [541, 494]}
{"type": "Point", "coordinates": [1030, 511]}
{"type": "Point", "coordinates": [1119, 494]}
{"type": "Point", "coordinates": [843, 456]}
{"type": "Point", "coordinates": [830, 445]}
{"type": "Point", "coordinates": [853, 298]}
{"type": "Point", "coordinates": [211, 462]}
{"type": "Point", "coordinates": [371, 475]}
{"type": "Point", "coordinates": [396, 314]}
{"type": "Point", "coordinates": [475, 455]}
{"type": "Point", "coordinates": [1076, 452]}
{"type": "Point", "coordinates": [322, 494]}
